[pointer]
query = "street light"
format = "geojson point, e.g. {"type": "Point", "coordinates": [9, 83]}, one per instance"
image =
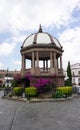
{"type": "Point", "coordinates": [7, 81]}
{"type": "Point", "coordinates": [6, 89]}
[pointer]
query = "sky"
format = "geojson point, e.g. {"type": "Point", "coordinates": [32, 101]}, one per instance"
{"type": "Point", "coordinates": [20, 18]}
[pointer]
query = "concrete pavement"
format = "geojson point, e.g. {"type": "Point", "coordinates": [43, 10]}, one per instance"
{"type": "Point", "coordinates": [16, 115]}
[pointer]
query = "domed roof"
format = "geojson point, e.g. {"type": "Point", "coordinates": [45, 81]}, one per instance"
{"type": "Point", "coordinates": [40, 38]}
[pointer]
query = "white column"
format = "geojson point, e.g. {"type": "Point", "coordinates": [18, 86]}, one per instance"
{"type": "Point", "coordinates": [23, 65]}
{"type": "Point", "coordinates": [43, 64]}
{"type": "Point", "coordinates": [47, 64]}
{"type": "Point", "coordinates": [32, 59]}
{"type": "Point", "coordinates": [37, 58]}
{"type": "Point", "coordinates": [51, 63]}
{"type": "Point", "coordinates": [55, 65]}
{"type": "Point", "coordinates": [61, 62]}
{"type": "Point", "coordinates": [23, 62]}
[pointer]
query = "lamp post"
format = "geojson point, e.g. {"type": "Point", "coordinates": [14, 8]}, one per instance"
{"type": "Point", "coordinates": [7, 81]}
{"type": "Point", "coordinates": [6, 91]}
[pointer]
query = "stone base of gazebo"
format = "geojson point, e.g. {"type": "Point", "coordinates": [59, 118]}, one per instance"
{"type": "Point", "coordinates": [56, 81]}
{"type": "Point", "coordinates": [56, 77]}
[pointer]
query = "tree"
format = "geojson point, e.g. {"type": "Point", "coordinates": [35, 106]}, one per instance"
{"type": "Point", "coordinates": [69, 75]}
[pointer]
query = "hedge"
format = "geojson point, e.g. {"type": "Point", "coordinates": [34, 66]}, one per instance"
{"type": "Point", "coordinates": [18, 91]}
{"type": "Point", "coordinates": [63, 92]}
{"type": "Point", "coordinates": [31, 91]}
{"type": "Point", "coordinates": [65, 89]}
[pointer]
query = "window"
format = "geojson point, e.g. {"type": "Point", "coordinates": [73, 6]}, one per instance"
{"type": "Point", "coordinates": [73, 73]}
{"type": "Point", "coordinates": [73, 80]}
{"type": "Point", "coordinates": [0, 75]}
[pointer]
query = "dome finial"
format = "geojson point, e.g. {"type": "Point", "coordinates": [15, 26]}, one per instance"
{"type": "Point", "coordinates": [40, 28]}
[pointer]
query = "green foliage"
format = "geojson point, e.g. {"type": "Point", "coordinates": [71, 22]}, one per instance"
{"type": "Point", "coordinates": [14, 83]}
{"type": "Point", "coordinates": [69, 70]}
{"type": "Point", "coordinates": [7, 86]}
{"type": "Point", "coordinates": [63, 92]}
{"type": "Point", "coordinates": [21, 81]}
{"type": "Point", "coordinates": [18, 91]}
{"type": "Point", "coordinates": [58, 95]}
{"type": "Point", "coordinates": [69, 80]}
{"type": "Point", "coordinates": [3, 86]}
{"type": "Point", "coordinates": [31, 91]}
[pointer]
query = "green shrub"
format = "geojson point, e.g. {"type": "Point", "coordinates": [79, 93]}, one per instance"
{"type": "Point", "coordinates": [65, 90]}
{"type": "Point", "coordinates": [31, 91]}
{"type": "Point", "coordinates": [14, 83]}
{"type": "Point", "coordinates": [18, 91]}
{"type": "Point", "coordinates": [58, 95]}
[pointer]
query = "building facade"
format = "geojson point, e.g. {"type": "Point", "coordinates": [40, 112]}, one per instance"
{"type": "Point", "coordinates": [44, 52]}
{"type": "Point", "coordinates": [7, 76]}
{"type": "Point", "coordinates": [75, 69]}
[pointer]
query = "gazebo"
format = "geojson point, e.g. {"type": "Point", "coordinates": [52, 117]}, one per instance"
{"type": "Point", "coordinates": [45, 55]}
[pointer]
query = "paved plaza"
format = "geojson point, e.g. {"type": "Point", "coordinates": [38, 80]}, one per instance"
{"type": "Point", "coordinates": [17, 115]}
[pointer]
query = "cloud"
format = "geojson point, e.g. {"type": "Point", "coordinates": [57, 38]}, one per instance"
{"type": "Point", "coordinates": [70, 34]}
{"type": "Point", "coordinates": [1, 65]}
{"type": "Point", "coordinates": [17, 63]}
{"type": "Point", "coordinates": [21, 15]}
{"type": "Point", "coordinates": [6, 48]}
{"type": "Point", "coordinates": [70, 40]}
{"type": "Point", "coordinates": [19, 38]}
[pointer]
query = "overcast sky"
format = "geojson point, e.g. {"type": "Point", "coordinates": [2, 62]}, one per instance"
{"type": "Point", "coordinates": [19, 18]}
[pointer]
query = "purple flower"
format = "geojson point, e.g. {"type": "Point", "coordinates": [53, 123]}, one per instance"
{"type": "Point", "coordinates": [41, 84]}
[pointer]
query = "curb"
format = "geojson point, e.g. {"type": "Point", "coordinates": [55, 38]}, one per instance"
{"type": "Point", "coordinates": [36, 100]}
{"type": "Point", "coordinates": [49, 100]}
{"type": "Point", "coordinates": [15, 99]}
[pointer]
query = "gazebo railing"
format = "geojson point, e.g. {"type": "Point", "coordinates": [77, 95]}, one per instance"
{"type": "Point", "coordinates": [60, 72]}
{"type": "Point", "coordinates": [44, 69]}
